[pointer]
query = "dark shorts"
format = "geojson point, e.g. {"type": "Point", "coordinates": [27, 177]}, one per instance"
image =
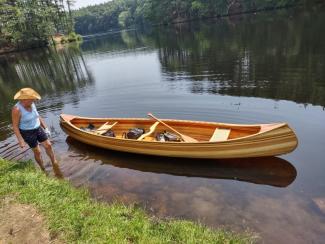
{"type": "Point", "coordinates": [32, 137]}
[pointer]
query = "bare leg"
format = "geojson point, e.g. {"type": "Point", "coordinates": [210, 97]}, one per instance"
{"type": "Point", "coordinates": [49, 151]}
{"type": "Point", "coordinates": [38, 157]}
{"type": "Point", "coordinates": [57, 171]}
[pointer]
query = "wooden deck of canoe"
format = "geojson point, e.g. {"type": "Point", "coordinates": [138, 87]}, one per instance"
{"type": "Point", "coordinates": [214, 140]}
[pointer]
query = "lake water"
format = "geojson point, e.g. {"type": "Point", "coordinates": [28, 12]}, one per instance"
{"type": "Point", "coordinates": [261, 68]}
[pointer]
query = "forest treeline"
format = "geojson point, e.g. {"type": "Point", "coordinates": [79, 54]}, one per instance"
{"type": "Point", "coordinates": [118, 14]}
{"type": "Point", "coordinates": [30, 23]}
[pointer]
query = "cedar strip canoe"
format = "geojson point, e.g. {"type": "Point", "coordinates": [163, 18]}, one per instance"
{"type": "Point", "coordinates": [215, 140]}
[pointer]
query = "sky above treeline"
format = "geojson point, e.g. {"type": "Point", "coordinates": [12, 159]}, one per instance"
{"type": "Point", "coordinates": [85, 3]}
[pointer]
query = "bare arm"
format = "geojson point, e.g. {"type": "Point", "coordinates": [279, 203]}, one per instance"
{"type": "Point", "coordinates": [15, 116]}
{"type": "Point", "coordinates": [42, 122]}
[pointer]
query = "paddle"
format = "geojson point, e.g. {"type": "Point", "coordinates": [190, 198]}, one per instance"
{"type": "Point", "coordinates": [105, 127]}
{"type": "Point", "coordinates": [185, 138]}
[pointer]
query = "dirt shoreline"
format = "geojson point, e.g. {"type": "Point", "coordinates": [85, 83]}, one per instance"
{"type": "Point", "coordinates": [21, 223]}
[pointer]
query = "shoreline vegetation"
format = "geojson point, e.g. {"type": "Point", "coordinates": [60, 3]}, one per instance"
{"type": "Point", "coordinates": [123, 14]}
{"type": "Point", "coordinates": [52, 17]}
{"type": "Point", "coordinates": [55, 40]}
{"type": "Point", "coordinates": [72, 216]}
{"type": "Point", "coordinates": [32, 24]}
{"type": "Point", "coordinates": [62, 39]}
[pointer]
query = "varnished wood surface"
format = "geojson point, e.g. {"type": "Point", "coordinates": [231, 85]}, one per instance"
{"type": "Point", "coordinates": [220, 135]}
{"type": "Point", "coordinates": [243, 141]}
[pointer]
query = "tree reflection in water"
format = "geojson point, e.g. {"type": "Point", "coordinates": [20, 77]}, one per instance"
{"type": "Point", "coordinates": [57, 74]}
{"type": "Point", "coordinates": [271, 171]}
{"type": "Point", "coordinates": [275, 56]}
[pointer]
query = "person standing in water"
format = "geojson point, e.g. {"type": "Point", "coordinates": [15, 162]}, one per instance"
{"type": "Point", "coordinates": [29, 127]}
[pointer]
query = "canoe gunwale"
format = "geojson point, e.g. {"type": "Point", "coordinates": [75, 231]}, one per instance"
{"type": "Point", "coordinates": [270, 140]}
{"type": "Point", "coordinates": [262, 130]}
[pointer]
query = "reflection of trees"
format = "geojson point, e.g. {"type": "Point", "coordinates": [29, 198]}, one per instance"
{"type": "Point", "coordinates": [261, 56]}
{"type": "Point", "coordinates": [272, 55]}
{"type": "Point", "coordinates": [51, 72]}
{"type": "Point", "coordinates": [110, 44]}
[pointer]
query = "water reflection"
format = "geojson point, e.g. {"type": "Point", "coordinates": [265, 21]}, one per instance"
{"type": "Point", "coordinates": [120, 43]}
{"type": "Point", "coordinates": [271, 171]}
{"type": "Point", "coordinates": [55, 73]}
{"type": "Point", "coordinates": [263, 55]}
{"type": "Point", "coordinates": [251, 58]}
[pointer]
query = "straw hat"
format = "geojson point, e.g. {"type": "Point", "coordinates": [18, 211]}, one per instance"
{"type": "Point", "coordinates": [27, 93]}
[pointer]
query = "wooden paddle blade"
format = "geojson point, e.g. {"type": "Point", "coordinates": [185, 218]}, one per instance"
{"type": "Point", "coordinates": [188, 138]}
{"type": "Point", "coordinates": [185, 138]}
{"type": "Point", "coordinates": [104, 128]}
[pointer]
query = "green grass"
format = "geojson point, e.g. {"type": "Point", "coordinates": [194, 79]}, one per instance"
{"type": "Point", "coordinates": [74, 216]}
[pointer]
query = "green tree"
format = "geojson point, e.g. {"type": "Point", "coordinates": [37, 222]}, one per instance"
{"type": "Point", "coordinates": [70, 4]}
{"type": "Point", "coordinates": [29, 23]}
{"type": "Point", "coordinates": [123, 18]}
{"type": "Point", "coordinates": [125, 13]}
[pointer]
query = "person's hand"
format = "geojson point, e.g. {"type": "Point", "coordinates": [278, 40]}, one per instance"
{"type": "Point", "coordinates": [47, 132]}
{"type": "Point", "coordinates": [22, 143]}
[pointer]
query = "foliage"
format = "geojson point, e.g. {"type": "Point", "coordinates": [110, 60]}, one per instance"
{"type": "Point", "coordinates": [25, 24]}
{"type": "Point", "coordinates": [72, 37]}
{"type": "Point", "coordinates": [126, 13]}
{"type": "Point", "coordinates": [73, 216]}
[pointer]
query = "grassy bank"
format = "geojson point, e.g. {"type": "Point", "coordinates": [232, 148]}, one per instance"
{"type": "Point", "coordinates": [71, 213]}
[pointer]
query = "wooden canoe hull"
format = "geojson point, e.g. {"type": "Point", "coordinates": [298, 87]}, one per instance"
{"type": "Point", "coordinates": [272, 171]}
{"type": "Point", "coordinates": [271, 140]}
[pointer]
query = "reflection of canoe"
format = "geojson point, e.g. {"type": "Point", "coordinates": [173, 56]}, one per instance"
{"type": "Point", "coordinates": [215, 140]}
{"type": "Point", "coordinates": [271, 171]}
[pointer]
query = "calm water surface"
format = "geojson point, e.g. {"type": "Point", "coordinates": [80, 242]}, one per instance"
{"type": "Point", "coordinates": [255, 69]}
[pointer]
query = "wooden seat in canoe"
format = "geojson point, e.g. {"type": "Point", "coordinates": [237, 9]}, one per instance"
{"type": "Point", "coordinates": [151, 130]}
{"type": "Point", "coordinates": [228, 141]}
{"type": "Point", "coordinates": [220, 135]}
{"type": "Point", "coordinates": [104, 128]}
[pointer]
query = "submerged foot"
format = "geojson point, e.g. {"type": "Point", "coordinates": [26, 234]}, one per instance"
{"type": "Point", "coordinates": [56, 170]}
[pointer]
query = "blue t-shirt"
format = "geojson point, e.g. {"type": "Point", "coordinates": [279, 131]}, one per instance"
{"type": "Point", "coordinates": [29, 120]}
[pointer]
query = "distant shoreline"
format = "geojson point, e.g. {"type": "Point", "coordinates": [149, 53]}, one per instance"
{"type": "Point", "coordinates": [76, 37]}
{"type": "Point", "coordinates": [53, 41]}
{"type": "Point", "coordinates": [253, 11]}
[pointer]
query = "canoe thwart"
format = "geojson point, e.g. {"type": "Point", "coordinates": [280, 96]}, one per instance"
{"type": "Point", "coordinates": [220, 135]}
{"type": "Point", "coordinates": [104, 128]}
{"type": "Point", "coordinates": [184, 138]}
{"type": "Point", "coordinates": [151, 130]}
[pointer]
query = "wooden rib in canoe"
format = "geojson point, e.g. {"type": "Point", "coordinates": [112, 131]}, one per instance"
{"type": "Point", "coordinates": [237, 141]}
